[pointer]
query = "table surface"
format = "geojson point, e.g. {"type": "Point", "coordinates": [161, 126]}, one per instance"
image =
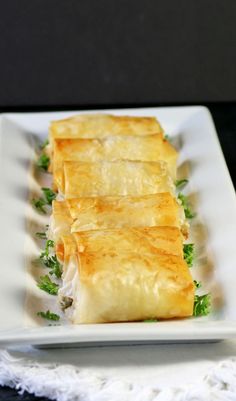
{"type": "Point", "coordinates": [224, 116]}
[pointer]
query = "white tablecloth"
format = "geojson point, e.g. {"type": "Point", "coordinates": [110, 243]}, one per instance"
{"type": "Point", "coordinates": [185, 372]}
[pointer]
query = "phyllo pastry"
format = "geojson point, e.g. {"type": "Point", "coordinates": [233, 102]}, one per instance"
{"type": "Point", "coordinates": [126, 275]}
{"type": "Point", "coordinates": [103, 125]}
{"type": "Point", "coordinates": [100, 126]}
{"type": "Point", "coordinates": [81, 179]}
{"type": "Point", "coordinates": [166, 239]}
{"type": "Point", "coordinates": [83, 214]}
{"type": "Point", "coordinates": [145, 148]}
{"type": "Point", "coordinates": [126, 211]}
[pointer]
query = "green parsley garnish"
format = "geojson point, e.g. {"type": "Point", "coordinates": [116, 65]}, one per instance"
{"type": "Point", "coordinates": [202, 305]}
{"type": "Point", "coordinates": [184, 202]}
{"type": "Point", "coordinates": [49, 315]}
{"type": "Point", "coordinates": [53, 264]}
{"type": "Point", "coordinates": [44, 144]}
{"type": "Point", "coordinates": [197, 284]}
{"type": "Point", "coordinates": [51, 261]}
{"type": "Point", "coordinates": [189, 254]}
{"type": "Point", "coordinates": [47, 285]}
{"type": "Point", "coordinates": [181, 183]}
{"type": "Point", "coordinates": [45, 253]}
{"type": "Point", "coordinates": [150, 320]}
{"type": "Point", "coordinates": [43, 162]}
{"type": "Point", "coordinates": [49, 195]}
{"type": "Point", "coordinates": [166, 137]}
{"type": "Point", "coordinates": [39, 205]}
{"type": "Point", "coordinates": [41, 235]}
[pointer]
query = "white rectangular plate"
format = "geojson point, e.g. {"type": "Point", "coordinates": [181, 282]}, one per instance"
{"type": "Point", "coordinates": [213, 230]}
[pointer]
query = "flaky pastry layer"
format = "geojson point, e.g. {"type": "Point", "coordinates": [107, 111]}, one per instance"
{"type": "Point", "coordinates": [81, 179]}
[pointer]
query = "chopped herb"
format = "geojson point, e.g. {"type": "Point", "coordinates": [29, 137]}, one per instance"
{"type": "Point", "coordinates": [184, 202]}
{"type": "Point", "coordinates": [181, 183]}
{"type": "Point", "coordinates": [43, 162]}
{"type": "Point", "coordinates": [51, 261]}
{"type": "Point", "coordinates": [39, 205]}
{"type": "Point", "coordinates": [50, 244]}
{"type": "Point", "coordinates": [166, 137]}
{"type": "Point", "coordinates": [189, 254]}
{"type": "Point", "coordinates": [41, 235]}
{"type": "Point", "coordinates": [44, 144]}
{"type": "Point", "coordinates": [202, 305]}
{"type": "Point", "coordinates": [150, 320]}
{"type": "Point", "coordinates": [49, 195]}
{"type": "Point", "coordinates": [47, 285]}
{"type": "Point", "coordinates": [49, 315]}
{"type": "Point", "coordinates": [197, 284]}
{"type": "Point", "coordinates": [45, 253]}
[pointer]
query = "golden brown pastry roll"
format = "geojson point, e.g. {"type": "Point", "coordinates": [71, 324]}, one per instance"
{"type": "Point", "coordinates": [145, 148]}
{"type": "Point", "coordinates": [126, 211]}
{"type": "Point", "coordinates": [138, 287]}
{"type": "Point", "coordinates": [100, 126]}
{"type": "Point", "coordinates": [81, 179]}
{"type": "Point", "coordinates": [103, 125]}
{"type": "Point", "coordinates": [167, 240]}
{"type": "Point", "coordinates": [107, 212]}
{"type": "Point", "coordinates": [126, 276]}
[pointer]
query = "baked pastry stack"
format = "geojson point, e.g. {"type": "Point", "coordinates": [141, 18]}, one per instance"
{"type": "Point", "coordinates": [116, 224]}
